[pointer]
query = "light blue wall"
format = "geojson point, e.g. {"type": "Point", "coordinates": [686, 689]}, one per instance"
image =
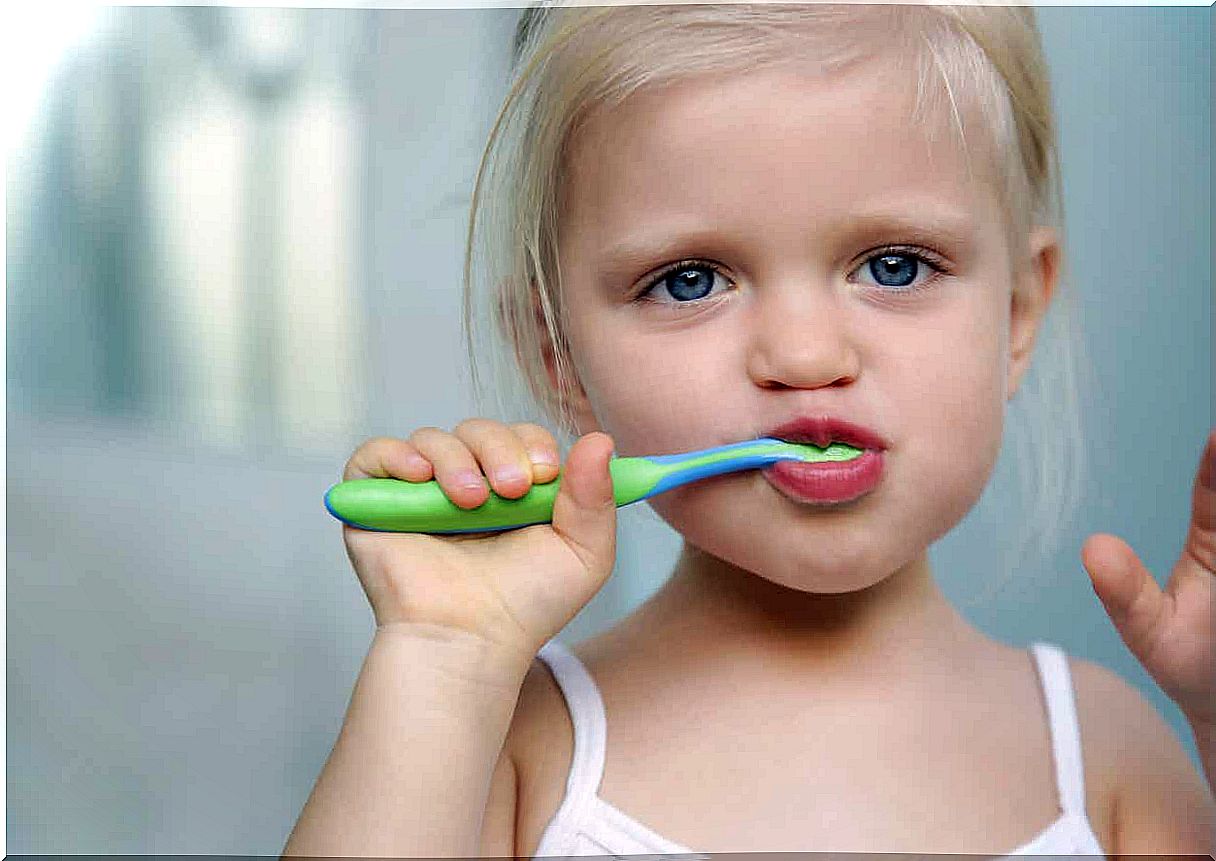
{"type": "Point", "coordinates": [184, 626]}
{"type": "Point", "coordinates": [1133, 90]}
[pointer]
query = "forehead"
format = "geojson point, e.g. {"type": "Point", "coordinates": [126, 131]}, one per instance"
{"type": "Point", "coordinates": [772, 150]}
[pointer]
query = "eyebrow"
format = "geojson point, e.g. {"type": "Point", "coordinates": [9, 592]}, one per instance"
{"type": "Point", "coordinates": [622, 258]}
{"type": "Point", "coordinates": [928, 223]}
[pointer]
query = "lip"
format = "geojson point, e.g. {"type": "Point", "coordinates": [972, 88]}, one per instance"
{"type": "Point", "coordinates": [824, 430]}
{"type": "Point", "coordinates": [827, 483]}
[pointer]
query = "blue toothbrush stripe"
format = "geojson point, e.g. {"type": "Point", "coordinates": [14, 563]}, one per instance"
{"type": "Point", "coordinates": [706, 470]}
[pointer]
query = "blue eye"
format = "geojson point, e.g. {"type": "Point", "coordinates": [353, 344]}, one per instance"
{"type": "Point", "coordinates": [895, 269]}
{"type": "Point", "coordinates": [688, 282]}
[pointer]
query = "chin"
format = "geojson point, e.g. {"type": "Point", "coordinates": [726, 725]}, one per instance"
{"type": "Point", "coordinates": [827, 553]}
{"type": "Point", "coordinates": [822, 583]}
{"type": "Point", "coordinates": [818, 573]}
{"type": "Point", "coordinates": [852, 565]}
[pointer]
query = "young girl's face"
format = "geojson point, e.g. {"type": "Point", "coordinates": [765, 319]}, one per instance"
{"type": "Point", "coordinates": [771, 194]}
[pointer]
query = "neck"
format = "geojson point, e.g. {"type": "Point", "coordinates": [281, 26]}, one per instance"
{"type": "Point", "coordinates": [712, 608]}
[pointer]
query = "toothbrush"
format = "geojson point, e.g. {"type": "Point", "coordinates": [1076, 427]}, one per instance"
{"type": "Point", "coordinates": [393, 505]}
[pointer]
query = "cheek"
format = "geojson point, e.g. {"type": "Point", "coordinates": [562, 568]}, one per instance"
{"type": "Point", "coordinates": [649, 402]}
{"type": "Point", "coordinates": [653, 412]}
{"type": "Point", "coordinates": [955, 404]}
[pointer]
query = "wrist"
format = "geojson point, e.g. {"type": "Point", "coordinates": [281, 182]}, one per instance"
{"type": "Point", "coordinates": [459, 655]}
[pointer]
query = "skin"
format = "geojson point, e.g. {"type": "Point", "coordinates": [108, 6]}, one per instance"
{"type": "Point", "coordinates": [776, 606]}
{"type": "Point", "coordinates": [805, 329]}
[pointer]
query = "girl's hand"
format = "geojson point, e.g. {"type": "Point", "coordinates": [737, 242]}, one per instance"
{"type": "Point", "coordinates": [1172, 633]}
{"type": "Point", "coordinates": [513, 589]}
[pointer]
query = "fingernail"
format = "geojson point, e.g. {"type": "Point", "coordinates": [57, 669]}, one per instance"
{"type": "Point", "coordinates": [542, 458]}
{"type": "Point", "coordinates": [507, 473]}
{"type": "Point", "coordinates": [468, 479]}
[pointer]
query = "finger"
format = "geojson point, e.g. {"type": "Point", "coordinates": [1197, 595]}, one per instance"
{"type": "Point", "coordinates": [1201, 536]}
{"type": "Point", "coordinates": [1133, 600]}
{"type": "Point", "coordinates": [386, 457]}
{"type": "Point", "coordinates": [542, 450]}
{"type": "Point", "coordinates": [456, 469]}
{"type": "Point", "coordinates": [501, 454]}
{"type": "Point", "coordinates": [584, 511]}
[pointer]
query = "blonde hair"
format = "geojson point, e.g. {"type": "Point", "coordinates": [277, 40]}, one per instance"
{"type": "Point", "coordinates": [977, 69]}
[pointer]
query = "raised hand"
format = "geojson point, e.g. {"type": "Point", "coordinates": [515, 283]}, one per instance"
{"type": "Point", "coordinates": [1172, 632]}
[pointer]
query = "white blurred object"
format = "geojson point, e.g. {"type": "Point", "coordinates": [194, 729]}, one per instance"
{"type": "Point", "coordinates": [257, 250]}
{"type": "Point", "coordinates": [35, 40]}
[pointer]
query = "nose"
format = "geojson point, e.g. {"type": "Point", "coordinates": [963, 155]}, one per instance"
{"type": "Point", "coordinates": [802, 339]}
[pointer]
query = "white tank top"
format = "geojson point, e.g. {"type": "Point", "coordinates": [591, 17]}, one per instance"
{"type": "Point", "coordinates": [585, 824]}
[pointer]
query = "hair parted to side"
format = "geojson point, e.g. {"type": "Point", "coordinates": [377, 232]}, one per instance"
{"type": "Point", "coordinates": [978, 73]}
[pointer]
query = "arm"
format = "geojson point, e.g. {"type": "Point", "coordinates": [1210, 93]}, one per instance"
{"type": "Point", "coordinates": [412, 769]}
{"type": "Point", "coordinates": [1163, 805]}
{"type": "Point", "coordinates": [1171, 631]}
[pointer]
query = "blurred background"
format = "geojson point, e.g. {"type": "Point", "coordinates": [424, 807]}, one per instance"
{"type": "Point", "coordinates": [234, 249]}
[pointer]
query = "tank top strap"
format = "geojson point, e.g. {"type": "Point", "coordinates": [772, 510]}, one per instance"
{"type": "Point", "coordinates": [586, 708]}
{"type": "Point", "coordinates": [1058, 694]}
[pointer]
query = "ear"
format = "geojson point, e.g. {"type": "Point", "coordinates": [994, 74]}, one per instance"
{"type": "Point", "coordinates": [1032, 294]}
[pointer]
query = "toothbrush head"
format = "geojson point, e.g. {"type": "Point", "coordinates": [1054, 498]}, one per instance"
{"type": "Point", "coordinates": [811, 453]}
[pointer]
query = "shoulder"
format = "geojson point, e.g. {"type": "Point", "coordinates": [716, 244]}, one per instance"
{"type": "Point", "coordinates": [1159, 800]}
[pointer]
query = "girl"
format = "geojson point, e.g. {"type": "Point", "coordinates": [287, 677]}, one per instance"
{"type": "Point", "coordinates": [724, 222]}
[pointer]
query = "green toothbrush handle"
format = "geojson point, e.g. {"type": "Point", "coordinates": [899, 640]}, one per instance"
{"type": "Point", "coordinates": [392, 505]}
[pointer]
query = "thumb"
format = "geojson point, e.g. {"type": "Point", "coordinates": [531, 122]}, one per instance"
{"type": "Point", "coordinates": [584, 510]}
{"type": "Point", "coordinates": [1133, 600]}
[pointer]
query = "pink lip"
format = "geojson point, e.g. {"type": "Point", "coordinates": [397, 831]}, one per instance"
{"type": "Point", "coordinates": [841, 481]}
{"type": "Point", "coordinates": [835, 482]}
{"type": "Point", "coordinates": [822, 430]}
